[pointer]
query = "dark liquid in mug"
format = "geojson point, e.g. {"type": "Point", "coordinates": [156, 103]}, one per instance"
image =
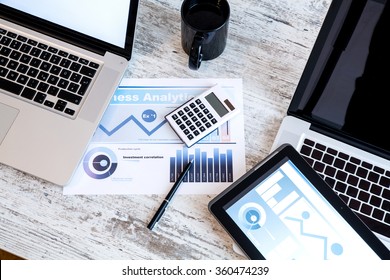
{"type": "Point", "coordinates": [205, 16]}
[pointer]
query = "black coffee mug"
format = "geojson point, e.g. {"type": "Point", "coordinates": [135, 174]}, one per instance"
{"type": "Point", "coordinates": [204, 29]}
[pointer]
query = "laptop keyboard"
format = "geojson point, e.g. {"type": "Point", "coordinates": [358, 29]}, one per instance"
{"type": "Point", "coordinates": [365, 188]}
{"type": "Point", "coordinates": [44, 75]}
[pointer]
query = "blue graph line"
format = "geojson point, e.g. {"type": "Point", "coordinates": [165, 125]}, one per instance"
{"type": "Point", "coordinates": [324, 238]}
{"type": "Point", "coordinates": [131, 118]}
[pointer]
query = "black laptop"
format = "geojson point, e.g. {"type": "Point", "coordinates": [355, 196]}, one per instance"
{"type": "Point", "coordinates": [339, 116]}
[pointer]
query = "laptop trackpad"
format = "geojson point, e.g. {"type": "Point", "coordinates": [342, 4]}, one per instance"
{"type": "Point", "coordinates": [8, 115]}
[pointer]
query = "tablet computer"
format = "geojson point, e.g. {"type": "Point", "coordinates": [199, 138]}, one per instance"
{"type": "Point", "coordinates": [282, 209]}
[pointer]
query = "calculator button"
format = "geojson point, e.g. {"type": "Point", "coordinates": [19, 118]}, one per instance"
{"type": "Point", "coordinates": [185, 118]}
{"type": "Point", "coordinates": [202, 128]}
{"type": "Point", "coordinates": [196, 133]}
{"type": "Point", "coordinates": [194, 118]}
{"type": "Point", "coordinates": [188, 122]}
{"type": "Point", "coordinates": [182, 126]}
{"type": "Point", "coordinates": [180, 113]}
{"type": "Point", "coordinates": [204, 120]}
{"type": "Point", "coordinates": [192, 127]}
{"type": "Point", "coordinates": [196, 110]}
{"type": "Point", "coordinates": [198, 123]}
{"type": "Point", "coordinates": [186, 131]}
{"type": "Point", "coordinates": [200, 115]}
{"type": "Point", "coordinates": [178, 121]}
{"type": "Point", "coordinates": [174, 116]}
{"type": "Point", "coordinates": [210, 116]}
{"type": "Point", "coordinates": [192, 105]}
{"type": "Point", "coordinates": [206, 111]}
{"type": "Point", "coordinates": [190, 136]}
{"type": "Point", "coordinates": [186, 109]}
{"type": "Point", "coordinates": [190, 114]}
{"type": "Point", "coordinates": [208, 125]}
{"type": "Point", "coordinates": [198, 101]}
{"type": "Point", "coordinates": [214, 121]}
{"type": "Point", "coordinates": [202, 106]}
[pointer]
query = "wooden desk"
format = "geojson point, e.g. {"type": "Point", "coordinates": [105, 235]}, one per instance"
{"type": "Point", "coordinates": [268, 45]}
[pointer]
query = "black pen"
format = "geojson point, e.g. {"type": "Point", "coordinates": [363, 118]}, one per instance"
{"type": "Point", "coordinates": [169, 196]}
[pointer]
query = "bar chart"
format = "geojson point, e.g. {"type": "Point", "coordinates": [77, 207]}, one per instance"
{"type": "Point", "coordinates": [210, 165]}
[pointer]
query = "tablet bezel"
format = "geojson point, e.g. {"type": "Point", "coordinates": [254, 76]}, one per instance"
{"type": "Point", "coordinates": [261, 171]}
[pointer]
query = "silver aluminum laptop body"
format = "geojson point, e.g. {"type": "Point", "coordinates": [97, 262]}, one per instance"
{"type": "Point", "coordinates": [36, 138]}
{"type": "Point", "coordinates": [341, 104]}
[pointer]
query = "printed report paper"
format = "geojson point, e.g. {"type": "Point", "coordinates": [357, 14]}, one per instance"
{"type": "Point", "coordinates": [135, 151]}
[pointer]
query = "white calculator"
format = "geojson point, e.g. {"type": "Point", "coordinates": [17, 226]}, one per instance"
{"type": "Point", "coordinates": [201, 115]}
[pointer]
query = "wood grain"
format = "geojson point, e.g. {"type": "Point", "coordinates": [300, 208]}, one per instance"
{"type": "Point", "coordinates": [268, 45]}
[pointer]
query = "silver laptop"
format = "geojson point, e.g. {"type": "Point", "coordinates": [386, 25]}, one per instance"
{"type": "Point", "coordinates": [338, 118]}
{"type": "Point", "coordinates": [60, 63]}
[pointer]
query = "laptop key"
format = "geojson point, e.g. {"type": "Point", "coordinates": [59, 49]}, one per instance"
{"type": "Point", "coordinates": [28, 93]}
{"type": "Point", "coordinates": [15, 45]}
{"type": "Point", "coordinates": [22, 38]}
{"type": "Point", "coordinates": [354, 204]}
{"type": "Point", "coordinates": [52, 50]}
{"type": "Point", "coordinates": [87, 71]}
{"type": "Point", "coordinates": [5, 41]}
{"type": "Point", "coordinates": [12, 75]}
{"type": "Point", "coordinates": [35, 52]}
{"type": "Point", "coordinates": [22, 79]}
{"type": "Point", "coordinates": [48, 103]}
{"type": "Point", "coordinates": [68, 96]}
{"type": "Point", "coordinates": [3, 72]}
{"type": "Point", "coordinates": [378, 214]}
{"type": "Point", "coordinates": [12, 34]}
{"type": "Point", "coordinates": [376, 225]}
{"type": "Point", "coordinates": [69, 111]}
{"type": "Point", "coordinates": [386, 205]}
{"type": "Point", "coordinates": [13, 64]}
{"type": "Point", "coordinates": [22, 68]}
{"type": "Point", "coordinates": [84, 85]}
{"type": "Point", "coordinates": [10, 86]}
{"type": "Point", "coordinates": [32, 83]}
{"type": "Point", "coordinates": [386, 194]}
{"type": "Point", "coordinates": [3, 61]}
{"type": "Point", "coordinates": [60, 105]}
{"type": "Point", "coordinates": [25, 48]}
{"type": "Point", "coordinates": [5, 51]}
{"type": "Point", "coordinates": [40, 97]}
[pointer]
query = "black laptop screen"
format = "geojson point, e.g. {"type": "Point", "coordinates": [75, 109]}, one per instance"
{"type": "Point", "coordinates": [100, 19]}
{"type": "Point", "coordinates": [344, 85]}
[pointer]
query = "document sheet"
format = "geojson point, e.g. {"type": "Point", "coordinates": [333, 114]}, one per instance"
{"type": "Point", "coordinates": [135, 151]}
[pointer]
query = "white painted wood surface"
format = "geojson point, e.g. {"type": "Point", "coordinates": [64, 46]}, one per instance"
{"type": "Point", "coordinates": [268, 45]}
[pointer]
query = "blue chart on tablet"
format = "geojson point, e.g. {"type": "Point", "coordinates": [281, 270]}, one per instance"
{"type": "Point", "coordinates": [285, 217]}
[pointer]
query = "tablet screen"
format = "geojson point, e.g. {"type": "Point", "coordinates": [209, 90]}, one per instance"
{"type": "Point", "coordinates": [278, 212]}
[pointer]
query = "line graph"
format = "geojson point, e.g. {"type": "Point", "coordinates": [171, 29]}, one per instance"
{"type": "Point", "coordinates": [126, 121]}
{"type": "Point", "coordinates": [135, 124]}
{"type": "Point", "coordinates": [303, 233]}
{"type": "Point", "coordinates": [336, 248]}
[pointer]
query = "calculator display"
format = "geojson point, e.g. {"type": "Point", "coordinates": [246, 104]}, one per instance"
{"type": "Point", "coordinates": [216, 104]}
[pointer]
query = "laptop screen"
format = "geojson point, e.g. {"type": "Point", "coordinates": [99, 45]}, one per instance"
{"type": "Point", "coordinates": [96, 18]}
{"type": "Point", "coordinates": [344, 86]}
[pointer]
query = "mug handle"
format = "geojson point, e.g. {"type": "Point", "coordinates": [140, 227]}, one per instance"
{"type": "Point", "coordinates": [195, 57]}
